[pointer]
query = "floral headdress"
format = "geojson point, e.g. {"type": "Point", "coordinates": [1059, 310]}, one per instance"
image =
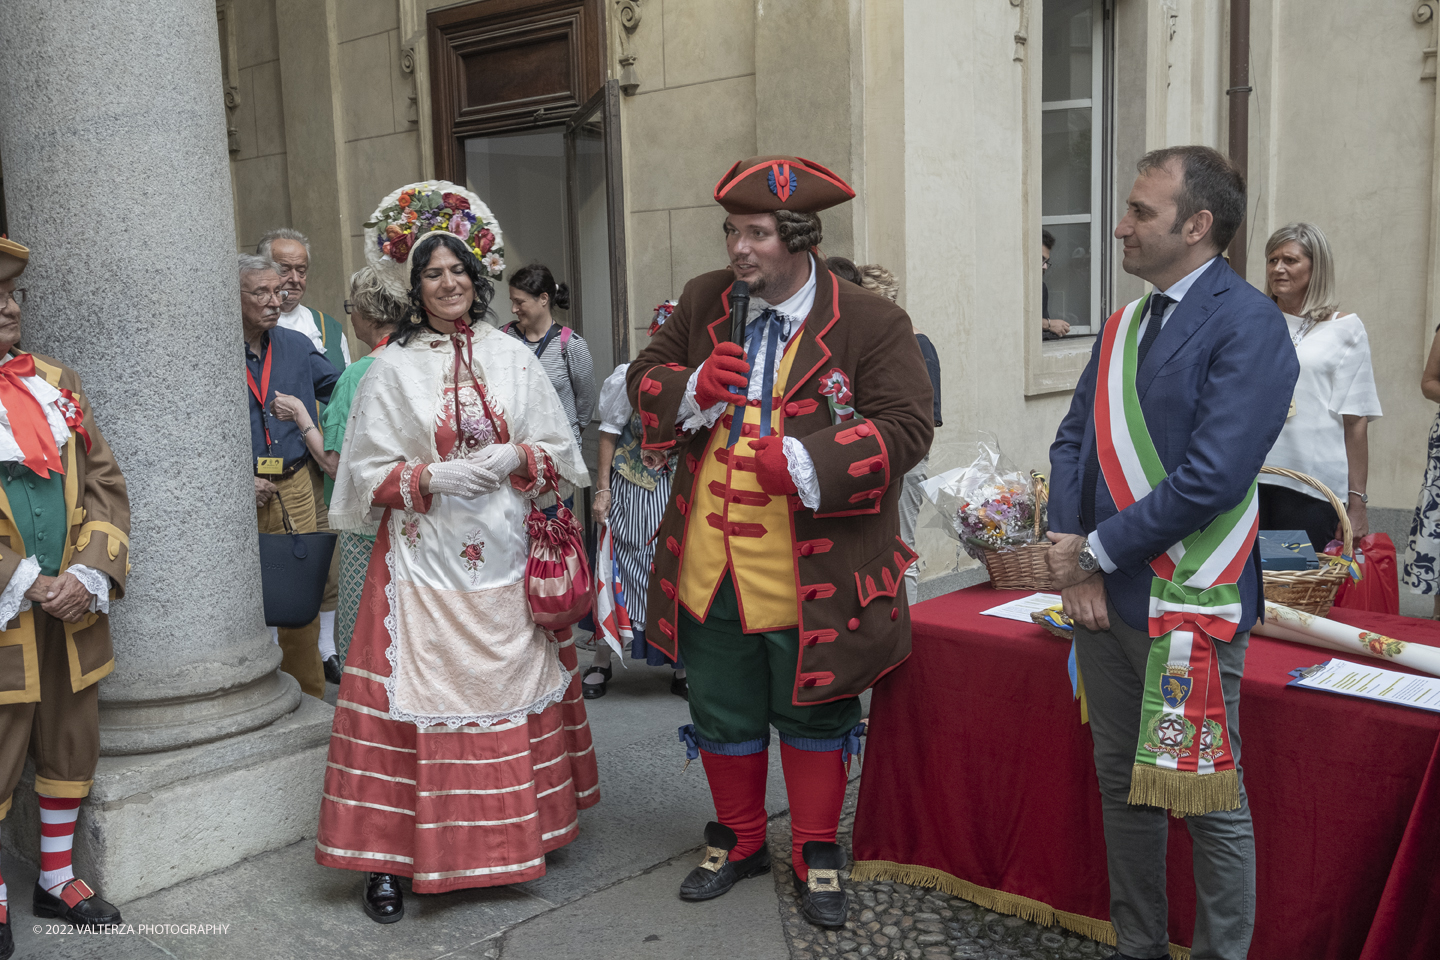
{"type": "Point", "coordinates": [662, 313]}
{"type": "Point", "coordinates": [417, 210]}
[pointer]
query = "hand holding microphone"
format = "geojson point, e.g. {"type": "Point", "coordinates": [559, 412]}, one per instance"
{"type": "Point", "coordinates": [724, 368]}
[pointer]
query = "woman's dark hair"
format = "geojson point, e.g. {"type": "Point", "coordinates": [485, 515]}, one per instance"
{"type": "Point", "coordinates": [844, 268]}
{"type": "Point", "coordinates": [536, 279]}
{"type": "Point", "coordinates": [419, 260]}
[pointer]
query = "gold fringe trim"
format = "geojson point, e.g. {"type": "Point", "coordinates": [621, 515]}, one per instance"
{"type": "Point", "coordinates": [996, 900]}
{"type": "Point", "coordinates": [1183, 793]}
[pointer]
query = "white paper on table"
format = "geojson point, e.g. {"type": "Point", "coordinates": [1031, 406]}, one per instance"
{"type": "Point", "coordinates": [1021, 609]}
{"type": "Point", "coordinates": [1372, 683]}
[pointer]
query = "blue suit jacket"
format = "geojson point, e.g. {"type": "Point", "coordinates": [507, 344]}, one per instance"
{"type": "Point", "coordinates": [1215, 389]}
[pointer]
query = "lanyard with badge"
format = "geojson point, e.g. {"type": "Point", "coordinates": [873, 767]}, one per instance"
{"type": "Point", "coordinates": [265, 466]}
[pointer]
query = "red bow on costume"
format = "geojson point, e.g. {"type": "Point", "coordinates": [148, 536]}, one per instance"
{"type": "Point", "coordinates": [27, 418]}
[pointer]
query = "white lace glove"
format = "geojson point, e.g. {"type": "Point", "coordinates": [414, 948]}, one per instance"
{"type": "Point", "coordinates": [501, 459]}
{"type": "Point", "coordinates": [465, 479]}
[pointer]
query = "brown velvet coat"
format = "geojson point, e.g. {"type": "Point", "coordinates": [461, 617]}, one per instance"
{"type": "Point", "coordinates": [849, 559]}
{"type": "Point", "coordinates": [98, 536]}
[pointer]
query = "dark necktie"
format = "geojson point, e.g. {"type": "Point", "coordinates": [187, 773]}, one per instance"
{"type": "Point", "coordinates": [1159, 303]}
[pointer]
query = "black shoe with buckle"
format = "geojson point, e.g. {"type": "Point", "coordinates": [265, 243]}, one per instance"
{"type": "Point", "coordinates": [384, 902]}
{"type": "Point", "coordinates": [593, 689]}
{"type": "Point", "coordinates": [7, 939]}
{"type": "Point", "coordinates": [680, 688]}
{"type": "Point", "coordinates": [823, 901]}
{"type": "Point", "coordinates": [333, 672]}
{"type": "Point", "coordinates": [75, 903]}
{"type": "Point", "coordinates": [717, 873]}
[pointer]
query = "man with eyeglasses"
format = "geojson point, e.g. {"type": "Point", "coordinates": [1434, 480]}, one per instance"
{"type": "Point", "coordinates": [64, 558]}
{"type": "Point", "coordinates": [289, 250]}
{"type": "Point", "coordinates": [278, 360]}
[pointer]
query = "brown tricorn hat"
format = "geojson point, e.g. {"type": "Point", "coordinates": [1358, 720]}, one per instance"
{"type": "Point", "coordinates": [767, 184]}
{"type": "Point", "coordinates": [13, 257]}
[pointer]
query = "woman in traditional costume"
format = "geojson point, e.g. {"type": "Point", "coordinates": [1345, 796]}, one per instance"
{"type": "Point", "coordinates": [460, 752]}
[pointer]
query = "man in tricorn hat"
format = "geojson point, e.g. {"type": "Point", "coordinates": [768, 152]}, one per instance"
{"type": "Point", "coordinates": [64, 556]}
{"type": "Point", "coordinates": [779, 569]}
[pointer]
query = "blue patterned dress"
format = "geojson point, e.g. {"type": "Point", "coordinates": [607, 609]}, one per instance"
{"type": "Point", "coordinates": [1422, 555]}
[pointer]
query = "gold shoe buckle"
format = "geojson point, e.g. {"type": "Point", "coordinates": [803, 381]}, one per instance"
{"type": "Point", "coordinates": [715, 858]}
{"type": "Point", "coordinates": [824, 881]}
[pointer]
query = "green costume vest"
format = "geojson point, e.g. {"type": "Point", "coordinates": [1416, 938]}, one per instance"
{"type": "Point", "coordinates": [38, 508]}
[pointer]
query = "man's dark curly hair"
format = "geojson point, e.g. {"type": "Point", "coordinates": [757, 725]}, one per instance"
{"type": "Point", "coordinates": [418, 319]}
{"type": "Point", "coordinates": [798, 231]}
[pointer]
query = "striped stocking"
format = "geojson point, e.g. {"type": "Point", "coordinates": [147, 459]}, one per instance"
{"type": "Point", "coordinates": [57, 834]}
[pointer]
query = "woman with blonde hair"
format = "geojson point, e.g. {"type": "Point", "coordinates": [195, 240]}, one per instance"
{"type": "Point", "coordinates": [1326, 435]}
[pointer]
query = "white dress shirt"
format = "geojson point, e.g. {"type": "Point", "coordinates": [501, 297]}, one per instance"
{"type": "Point", "coordinates": [302, 319]}
{"type": "Point", "coordinates": [1176, 292]}
{"type": "Point", "coordinates": [793, 312]}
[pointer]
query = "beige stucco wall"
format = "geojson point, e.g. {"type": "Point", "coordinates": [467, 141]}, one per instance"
{"type": "Point", "coordinates": [930, 108]}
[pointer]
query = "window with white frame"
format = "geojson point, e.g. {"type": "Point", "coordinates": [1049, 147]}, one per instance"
{"type": "Point", "coordinates": [1074, 157]}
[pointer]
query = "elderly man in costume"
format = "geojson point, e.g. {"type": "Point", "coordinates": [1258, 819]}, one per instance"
{"type": "Point", "coordinates": [64, 552]}
{"type": "Point", "coordinates": [289, 250]}
{"type": "Point", "coordinates": [779, 568]}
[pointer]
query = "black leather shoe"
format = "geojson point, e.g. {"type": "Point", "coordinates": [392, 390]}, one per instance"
{"type": "Point", "coordinates": [1117, 955]}
{"type": "Point", "coordinates": [823, 901]}
{"type": "Point", "coordinates": [717, 873]}
{"type": "Point", "coordinates": [7, 940]}
{"type": "Point", "coordinates": [333, 672]}
{"type": "Point", "coordinates": [76, 904]}
{"type": "Point", "coordinates": [680, 688]}
{"type": "Point", "coordinates": [592, 690]}
{"type": "Point", "coordinates": [384, 903]}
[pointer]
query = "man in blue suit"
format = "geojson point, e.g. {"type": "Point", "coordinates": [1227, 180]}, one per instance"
{"type": "Point", "coordinates": [1215, 373]}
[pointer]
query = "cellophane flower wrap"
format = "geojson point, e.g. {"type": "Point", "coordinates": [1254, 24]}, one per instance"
{"type": "Point", "coordinates": [986, 503]}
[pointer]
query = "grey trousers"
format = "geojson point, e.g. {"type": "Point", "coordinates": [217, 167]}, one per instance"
{"type": "Point", "coordinates": [1112, 665]}
{"type": "Point", "coordinates": [910, 497]}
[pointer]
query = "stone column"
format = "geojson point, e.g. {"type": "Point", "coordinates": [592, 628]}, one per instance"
{"type": "Point", "coordinates": [112, 130]}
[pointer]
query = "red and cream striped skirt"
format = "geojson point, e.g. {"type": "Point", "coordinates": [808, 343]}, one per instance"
{"type": "Point", "coordinates": [469, 807]}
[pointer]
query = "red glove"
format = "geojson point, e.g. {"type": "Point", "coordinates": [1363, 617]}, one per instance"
{"type": "Point", "coordinates": [771, 467]}
{"type": "Point", "coordinates": [725, 367]}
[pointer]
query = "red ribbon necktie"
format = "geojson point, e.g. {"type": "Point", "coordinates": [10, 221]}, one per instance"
{"type": "Point", "coordinates": [27, 417]}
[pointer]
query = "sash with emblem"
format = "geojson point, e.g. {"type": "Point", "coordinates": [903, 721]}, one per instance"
{"type": "Point", "coordinates": [1183, 759]}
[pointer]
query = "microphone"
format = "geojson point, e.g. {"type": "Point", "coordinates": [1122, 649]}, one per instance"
{"type": "Point", "coordinates": [739, 311]}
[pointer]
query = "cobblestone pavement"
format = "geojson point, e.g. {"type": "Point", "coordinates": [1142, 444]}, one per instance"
{"type": "Point", "coordinates": [896, 920]}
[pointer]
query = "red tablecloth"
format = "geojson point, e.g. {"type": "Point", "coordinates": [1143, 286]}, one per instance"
{"type": "Point", "coordinates": [979, 773]}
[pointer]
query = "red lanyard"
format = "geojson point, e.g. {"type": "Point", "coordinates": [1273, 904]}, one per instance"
{"type": "Point", "coordinates": [262, 391]}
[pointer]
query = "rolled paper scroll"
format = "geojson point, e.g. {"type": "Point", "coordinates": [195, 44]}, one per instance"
{"type": "Point", "coordinates": [1284, 623]}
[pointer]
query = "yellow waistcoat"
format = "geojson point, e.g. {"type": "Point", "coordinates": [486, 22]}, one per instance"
{"type": "Point", "coordinates": [735, 525]}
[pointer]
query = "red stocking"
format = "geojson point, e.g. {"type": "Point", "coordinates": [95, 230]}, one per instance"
{"type": "Point", "coordinates": [815, 784]}
{"type": "Point", "coordinates": [737, 785]}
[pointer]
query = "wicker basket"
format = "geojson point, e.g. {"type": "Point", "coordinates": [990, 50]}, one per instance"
{"type": "Point", "coordinates": [1310, 591]}
{"type": "Point", "coordinates": [1022, 568]}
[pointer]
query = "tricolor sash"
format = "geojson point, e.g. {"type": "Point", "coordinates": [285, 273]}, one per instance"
{"type": "Point", "coordinates": [1183, 759]}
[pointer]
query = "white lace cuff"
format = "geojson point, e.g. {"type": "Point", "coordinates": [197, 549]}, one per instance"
{"type": "Point", "coordinates": [691, 417]}
{"type": "Point", "coordinates": [802, 472]}
{"type": "Point", "coordinates": [12, 599]}
{"type": "Point", "coordinates": [97, 582]}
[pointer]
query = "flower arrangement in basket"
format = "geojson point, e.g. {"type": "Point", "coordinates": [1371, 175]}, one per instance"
{"type": "Point", "coordinates": [997, 514]}
{"type": "Point", "coordinates": [409, 213]}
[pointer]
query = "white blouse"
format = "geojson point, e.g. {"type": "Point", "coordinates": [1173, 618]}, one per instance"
{"type": "Point", "coordinates": [1335, 381]}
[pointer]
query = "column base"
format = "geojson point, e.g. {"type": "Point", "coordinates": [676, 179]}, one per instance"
{"type": "Point", "coordinates": [157, 819]}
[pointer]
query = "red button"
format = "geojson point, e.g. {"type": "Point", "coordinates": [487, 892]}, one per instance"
{"type": "Point", "coordinates": [809, 683]}
{"type": "Point", "coordinates": [792, 409]}
{"type": "Point", "coordinates": [876, 466]}
{"type": "Point", "coordinates": [894, 614]}
{"type": "Point", "coordinates": [806, 549]}
{"type": "Point", "coordinates": [755, 402]}
{"type": "Point", "coordinates": [863, 430]}
{"type": "Point", "coordinates": [876, 494]}
{"type": "Point", "coordinates": [811, 594]}
{"type": "Point", "coordinates": [854, 623]}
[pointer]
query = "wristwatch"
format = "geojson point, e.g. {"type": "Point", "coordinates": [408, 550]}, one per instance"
{"type": "Point", "coordinates": [1087, 559]}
